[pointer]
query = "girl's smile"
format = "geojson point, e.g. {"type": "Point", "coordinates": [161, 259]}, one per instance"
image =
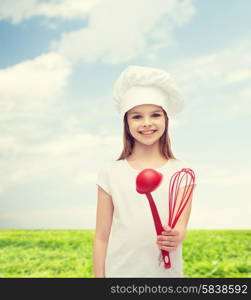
{"type": "Point", "coordinates": [148, 133]}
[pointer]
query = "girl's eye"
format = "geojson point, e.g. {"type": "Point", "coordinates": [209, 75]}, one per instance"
{"type": "Point", "coordinates": [138, 116]}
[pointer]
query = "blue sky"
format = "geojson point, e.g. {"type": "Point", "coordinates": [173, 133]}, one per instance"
{"type": "Point", "coordinates": [58, 62]}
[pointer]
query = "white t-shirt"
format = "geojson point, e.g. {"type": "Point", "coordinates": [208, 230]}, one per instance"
{"type": "Point", "coordinates": [132, 250]}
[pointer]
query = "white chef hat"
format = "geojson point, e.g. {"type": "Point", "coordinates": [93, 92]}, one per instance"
{"type": "Point", "coordinates": [138, 85]}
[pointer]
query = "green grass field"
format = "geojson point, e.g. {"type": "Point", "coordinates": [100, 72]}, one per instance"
{"type": "Point", "coordinates": [68, 253]}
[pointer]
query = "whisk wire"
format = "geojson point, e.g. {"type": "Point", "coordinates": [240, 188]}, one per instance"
{"type": "Point", "coordinates": [174, 187]}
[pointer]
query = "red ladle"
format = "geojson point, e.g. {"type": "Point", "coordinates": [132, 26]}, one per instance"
{"type": "Point", "coordinates": [146, 182]}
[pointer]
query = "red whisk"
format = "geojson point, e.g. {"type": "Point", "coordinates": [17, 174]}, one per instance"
{"type": "Point", "coordinates": [187, 176]}
{"type": "Point", "coordinates": [148, 180]}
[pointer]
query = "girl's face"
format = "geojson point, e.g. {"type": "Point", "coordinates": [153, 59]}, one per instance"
{"type": "Point", "coordinates": [143, 118]}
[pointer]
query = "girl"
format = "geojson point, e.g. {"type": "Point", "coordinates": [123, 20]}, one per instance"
{"type": "Point", "coordinates": [125, 243]}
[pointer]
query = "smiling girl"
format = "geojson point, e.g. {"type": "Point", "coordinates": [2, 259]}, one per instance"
{"type": "Point", "coordinates": [125, 243]}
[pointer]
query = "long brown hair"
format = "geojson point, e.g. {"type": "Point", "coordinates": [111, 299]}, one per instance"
{"type": "Point", "coordinates": [164, 141]}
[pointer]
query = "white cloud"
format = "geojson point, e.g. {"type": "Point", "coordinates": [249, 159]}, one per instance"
{"type": "Point", "coordinates": [69, 155]}
{"type": "Point", "coordinates": [119, 31]}
{"type": "Point", "coordinates": [238, 76]}
{"type": "Point", "coordinates": [30, 95]}
{"type": "Point", "coordinates": [219, 218]}
{"type": "Point", "coordinates": [70, 217]}
{"type": "Point", "coordinates": [220, 79]}
{"type": "Point", "coordinates": [32, 86]}
{"type": "Point", "coordinates": [226, 67]}
{"type": "Point", "coordinates": [222, 176]}
{"type": "Point", "coordinates": [18, 11]}
{"type": "Point", "coordinates": [67, 9]}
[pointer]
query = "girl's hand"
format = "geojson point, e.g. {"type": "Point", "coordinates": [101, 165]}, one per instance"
{"type": "Point", "coordinates": [170, 239]}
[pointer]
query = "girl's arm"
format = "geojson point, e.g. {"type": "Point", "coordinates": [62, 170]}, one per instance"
{"type": "Point", "coordinates": [103, 228]}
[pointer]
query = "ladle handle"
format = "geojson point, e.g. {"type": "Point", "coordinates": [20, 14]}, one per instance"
{"type": "Point", "coordinates": [158, 228]}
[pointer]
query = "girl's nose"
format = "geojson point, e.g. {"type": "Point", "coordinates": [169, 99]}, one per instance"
{"type": "Point", "coordinates": [147, 121]}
